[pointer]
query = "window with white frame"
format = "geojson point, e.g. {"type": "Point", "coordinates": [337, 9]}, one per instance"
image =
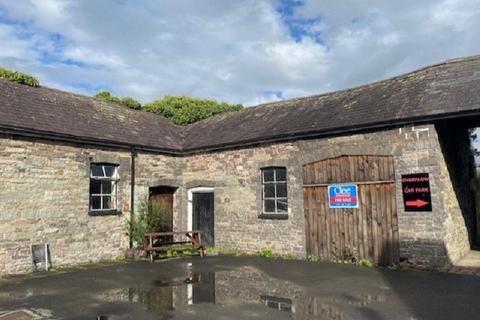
{"type": "Point", "coordinates": [103, 187]}
{"type": "Point", "coordinates": [274, 181]}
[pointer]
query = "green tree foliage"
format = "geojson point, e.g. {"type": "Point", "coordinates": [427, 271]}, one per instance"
{"type": "Point", "coordinates": [149, 217]}
{"type": "Point", "coordinates": [107, 96]}
{"type": "Point", "coordinates": [19, 77]}
{"type": "Point", "coordinates": [131, 103]}
{"type": "Point", "coordinates": [180, 110]}
{"type": "Point", "coordinates": [126, 101]}
{"type": "Point", "coordinates": [184, 110]}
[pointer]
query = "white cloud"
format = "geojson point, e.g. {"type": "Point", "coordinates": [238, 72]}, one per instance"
{"type": "Point", "coordinates": [238, 51]}
{"type": "Point", "coordinates": [16, 47]}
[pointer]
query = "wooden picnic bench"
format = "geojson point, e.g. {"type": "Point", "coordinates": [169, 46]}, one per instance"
{"type": "Point", "coordinates": [161, 241]}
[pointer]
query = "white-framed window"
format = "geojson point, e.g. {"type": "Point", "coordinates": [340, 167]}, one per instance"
{"type": "Point", "coordinates": [274, 183]}
{"type": "Point", "coordinates": [103, 187]}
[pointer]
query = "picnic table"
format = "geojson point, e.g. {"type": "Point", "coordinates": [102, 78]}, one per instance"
{"type": "Point", "coordinates": [161, 241]}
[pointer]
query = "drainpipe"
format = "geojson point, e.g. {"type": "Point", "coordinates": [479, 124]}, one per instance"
{"type": "Point", "coordinates": [132, 195]}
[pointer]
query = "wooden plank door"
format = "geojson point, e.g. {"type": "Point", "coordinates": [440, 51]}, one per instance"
{"type": "Point", "coordinates": [367, 232]}
{"type": "Point", "coordinates": [164, 197]}
{"type": "Point", "coordinates": [203, 216]}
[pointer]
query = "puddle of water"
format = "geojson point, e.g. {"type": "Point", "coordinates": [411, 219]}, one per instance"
{"type": "Point", "coordinates": [25, 314]}
{"type": "Point", "coordinates": [246, 287]}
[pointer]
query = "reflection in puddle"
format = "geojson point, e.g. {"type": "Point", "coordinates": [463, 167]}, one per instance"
{"type": "Point", "coordinates": [247, 286]}
{"type": "Point", "coordinates": [167, 295]}
{"type": "Point", "coordinates": [281, 304]}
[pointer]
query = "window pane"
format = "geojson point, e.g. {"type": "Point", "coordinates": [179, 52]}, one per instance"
{"type": "Point", "coordinates": [95, 203]}
{"type": "Point", "coordinates": [95, 186]}
{"type": "Point", "coordinates": [269, 205]}
{"type": "Point", "coordinates": [282, 206]}
{"type": "Point", "coordinates": [269, 190]}
{"type": "Point", "coordinates": [281, 190]}
{"type": "Point", "coordinates": [96, 170]}
{"type": "Point", "coordinates": [106, 187]}
{"type": "Point", "coordinates": [281, 174]}
{"type": "Point", "coordinates": [109, 171]}
{"type": "Point", "coordinates": [108, 203]}
{"type": "Point", "coordinates": [268, 175]}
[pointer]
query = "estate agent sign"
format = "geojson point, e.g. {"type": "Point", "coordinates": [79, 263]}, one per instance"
{"type": "Point", "coordinates": [343, 196]}
{"type": "Point", "coordinates": [416, 192]}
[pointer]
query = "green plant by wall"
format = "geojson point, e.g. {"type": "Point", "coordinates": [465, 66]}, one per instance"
{"type": "Point", "coordinates": [231, 252]}
{"type": "Point", "coordinates": [149, 217]}
{"type": "Point", "coordinates": [168, 254]}
{"type": "Point", "coordinates": [212, 251]}
{"type": "Point", "coordinates": [184, 110]}
{"type": "Point", "coordinates": [188, 253]}
{"type": "Point", "coordinates": [312, 258]}
{"type": "Point", "coordinates": [266, 253]}
{"type": "Point", "coordinates": [19, 77]}
{"type": "Point", "coordinates": [120, 257]}
{"type": "Point", "coordinates": [126, 101]}
{"type": "Point", "coordinates": [350, 254]}
{"type": "Point", "coordinates": [364, 263]}
{"type": "Point", "coordinates": [287, 256]}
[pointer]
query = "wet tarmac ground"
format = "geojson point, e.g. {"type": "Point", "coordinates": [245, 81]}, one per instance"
{"type": "Point", "coordinates": [239, 288]}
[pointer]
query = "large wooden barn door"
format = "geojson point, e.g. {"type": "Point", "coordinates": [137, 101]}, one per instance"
{"type": "Point", "coordinates": [367, 232]}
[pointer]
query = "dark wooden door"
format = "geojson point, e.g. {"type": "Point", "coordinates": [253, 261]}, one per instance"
{"type": "Point", "coordinates": [203, 216]}
{"type": "Point", "coordinates": [367, 232]}
{"type": "Point", "coordinates": [164, 197]}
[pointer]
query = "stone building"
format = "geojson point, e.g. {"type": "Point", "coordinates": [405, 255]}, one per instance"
{"type": "Point", "coordinates": [73, 167]}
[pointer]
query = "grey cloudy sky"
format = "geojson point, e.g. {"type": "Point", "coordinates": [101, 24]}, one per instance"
{"type": "Point", "coordinates": [241, 51]}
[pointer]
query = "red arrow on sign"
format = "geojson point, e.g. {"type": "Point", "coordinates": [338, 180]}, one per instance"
{"type": "Point", "coordinates": [416, 203]}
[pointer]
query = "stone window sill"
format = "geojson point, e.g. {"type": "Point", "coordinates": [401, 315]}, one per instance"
{"type": "Point", "coordinates": [105, 213]}
{"type": "Point", "coordinates": [273, 216]}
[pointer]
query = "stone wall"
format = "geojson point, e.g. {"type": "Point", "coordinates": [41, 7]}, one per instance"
{"type": "Point", "coordinates": [44, 197]}
{"type": "Point", "coordinates": [236, 176]}
{"type": "Point", "coordinates": [158, 170]}
{"type": "Point", "coordinates": [44, 190]}
{"type": "Point", "coordinates": [458, 170]}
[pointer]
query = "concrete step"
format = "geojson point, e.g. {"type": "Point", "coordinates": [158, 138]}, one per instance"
{"type": "Point", "coordinates": [469, 264]}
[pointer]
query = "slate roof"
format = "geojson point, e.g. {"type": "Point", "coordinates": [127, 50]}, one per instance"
{"type": "Point", "coordinates": [57, 113]}
{"type": "Point", "coordinates": [440, 91]}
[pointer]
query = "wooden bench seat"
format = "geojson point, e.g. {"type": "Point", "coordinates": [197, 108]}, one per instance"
{"type": "Point", "coordinates": [154, 241]}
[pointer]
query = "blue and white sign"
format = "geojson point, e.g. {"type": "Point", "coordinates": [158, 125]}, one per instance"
{"type": "Point", "coordinates": [341, 196]}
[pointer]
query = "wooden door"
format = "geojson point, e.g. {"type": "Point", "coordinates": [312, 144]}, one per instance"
{"type": "Point", "coordinates": [203, 216]}
{"type": "Point", "coordinates": [164, 196]}
{"type": "Point", "coordinates": [367, 232]}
